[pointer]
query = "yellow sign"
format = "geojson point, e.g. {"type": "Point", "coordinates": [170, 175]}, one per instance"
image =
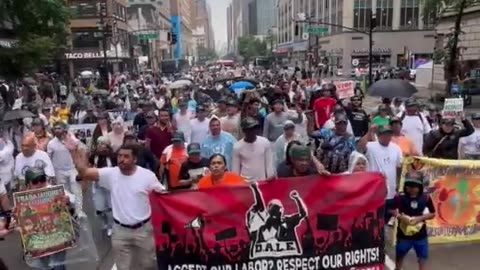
{"type": "Point", "coordinates": [454, 186]}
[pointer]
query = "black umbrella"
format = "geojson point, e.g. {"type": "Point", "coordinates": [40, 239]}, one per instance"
{"type": "Point", "coordinates": [391, 88]}
{"type": "Point", "coordinates": [224, 79]}
{"type": "Point", "coordinates": [17, 114]}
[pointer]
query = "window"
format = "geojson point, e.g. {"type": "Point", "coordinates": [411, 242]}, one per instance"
{"type": "Point", "coordinates": [84, 39]}
{"type": "Point", "coordinates": [84, 10]}
{"type": "Point", "coordinates": [384, 14]}
{"type": "Point", "coordinates": [362, 12]}
{"type": "Point", "coordinates": [409, 14]}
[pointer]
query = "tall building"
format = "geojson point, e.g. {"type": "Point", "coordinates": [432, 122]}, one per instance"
{"type": "Point", "coordinates": [182, 27]}
{"type": "Point", "coordinates": [401, 36]}
{"type": "Point", "coordinates": [230, 30]}
{"type": "Point", "coordinates": [262, 16]}
{"type": "Point", "coordinates": [149, 23]}
{"type": "Point", "coordinates": [238, 22]}
{"type": "Point", "coordinates": [86, 38]}
{"type": "Point", "coordinates": [203, 22]}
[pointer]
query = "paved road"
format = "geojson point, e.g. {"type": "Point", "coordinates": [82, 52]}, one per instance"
{"type": "Point", "coordinates": [11, 251]}
{"type": "Point", "coordinates": [442, 257]}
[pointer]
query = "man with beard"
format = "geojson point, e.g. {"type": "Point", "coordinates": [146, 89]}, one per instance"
{"type": "Point", "coordinates": [59, 149]}
{"type": "Point", "coordinates": [159, 136]}
{"type": "Point", "coordinates": [129, 186]}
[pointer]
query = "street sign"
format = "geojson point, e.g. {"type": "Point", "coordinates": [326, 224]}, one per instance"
{"type": "Point", "coordinates": [316, 30]}
{"type": "Point", "coordinates": [355, 62]}
{"type": "Point", "coordinates": [149, 36]}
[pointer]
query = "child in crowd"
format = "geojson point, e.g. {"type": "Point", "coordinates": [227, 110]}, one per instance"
{"type": "Point", "coordinates": [412, 208]}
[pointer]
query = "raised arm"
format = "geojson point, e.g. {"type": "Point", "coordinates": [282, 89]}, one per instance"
{"type": "Point", "coordinates": [81, 163]}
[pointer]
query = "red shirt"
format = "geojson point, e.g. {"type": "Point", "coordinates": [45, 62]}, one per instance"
{"type": "Point", "coordinates": [323, 108]}
{"type": "Point", "coordinates": [159, 139]}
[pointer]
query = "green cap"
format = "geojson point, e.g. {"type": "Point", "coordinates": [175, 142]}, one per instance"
{"type": "Point", "coordinates": [299, 151]}
{"type": "Point", "coordinates": [33, 173]}
{"type": "Point", "coordinates": [383, 129]}
{"type": "Point", "coordinates": [178, 137]}
{"type": "Point", "coordinates": [193, 148]}
{"type": "Point", "coordinates": [414, 178]}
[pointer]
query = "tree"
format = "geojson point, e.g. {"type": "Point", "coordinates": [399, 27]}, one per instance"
{"type": "Point", "coordinates": [250, 47]}
{"type": "Point", "coordinates": [41, 29]}
{"type": "Point", "coordinates": [434, 10]}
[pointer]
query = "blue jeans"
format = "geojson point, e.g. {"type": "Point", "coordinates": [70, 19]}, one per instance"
{"type": "Point", "coordinates": [420, 246]}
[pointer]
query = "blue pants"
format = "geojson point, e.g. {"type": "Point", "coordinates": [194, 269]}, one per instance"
{"type": "Point", "coordinates": [420, 246]}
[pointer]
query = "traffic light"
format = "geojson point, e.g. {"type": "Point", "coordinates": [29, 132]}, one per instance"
{"type": "Point", "coordinates": [173, 38]}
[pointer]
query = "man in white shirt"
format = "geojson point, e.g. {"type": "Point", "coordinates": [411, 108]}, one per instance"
{"type": "Point", "coordinates": [59, 149]}
{"type": "Point", "coordinates": [7, 162]}
{"type": "Point", "coordinates": [253, 156]}
{"type": "Point", "coordinates": [385, 157]}
{"type": "Point", "coordinates": [414, 124]}
{"type": "Point", "coordinates": [199, 126]}
{"type": "Point", "coordinates": [129, 185]}
{"type": "Point", "coordinates": [469, 147]}
{"type": "Point", "coordinates": [29, 158]}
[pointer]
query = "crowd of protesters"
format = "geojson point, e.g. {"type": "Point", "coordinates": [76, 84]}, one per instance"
{"type": "Point", "coordinates": [203, 134]}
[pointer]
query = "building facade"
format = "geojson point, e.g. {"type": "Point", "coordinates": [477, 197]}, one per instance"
{"type": "Point", "coordinates": [182, 26]}
{"type": "Point", "coordinates": [400, 38]}
{"type": "Point", "coordinates": [149, 24]}
{"type": "Point", "coordinates": [86, 38]}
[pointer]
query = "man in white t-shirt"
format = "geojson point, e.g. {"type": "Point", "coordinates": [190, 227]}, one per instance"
{"type": "Point", "coordinates": [31, 158]}
{"type": "Point", "coordinates": [129, 187]}
{"type": "Point", "coordinates": [252, 155]}
{"type": "Point", "coordinates": [199, 126]}
{"type": "Point", "coordinates": [414, 124]}
{"type": "Point", "coordinates": [385, 157]}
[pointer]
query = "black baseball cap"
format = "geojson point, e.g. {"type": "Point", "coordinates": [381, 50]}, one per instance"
{"type": "Point", "coordinates": [249, 123]}
{"type": "Point", "coordinates": [194, 149]}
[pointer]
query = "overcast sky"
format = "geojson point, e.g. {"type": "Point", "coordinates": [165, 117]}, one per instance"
{"type": "Point", "coordinates": [219, 21]}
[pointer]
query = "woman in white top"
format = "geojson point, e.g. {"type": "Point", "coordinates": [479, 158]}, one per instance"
{"type": "Point", "coordinates": [115, 137]}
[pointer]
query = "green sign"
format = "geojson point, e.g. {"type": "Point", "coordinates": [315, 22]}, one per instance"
{"type": "Point", "coordinates": [316, 30]}
{"type": "Point", "coordinates": [149, 36]}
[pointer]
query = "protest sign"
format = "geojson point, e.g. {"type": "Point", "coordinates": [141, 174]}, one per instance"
{"type": "Point", "coordinates": [452, 107]}
{"type": "Point", "coordinates": [345, 89]}
{"type": "Point", "coordinates": [314, 222]}
{"type": "Point", "coordinates": [45, 223]}
{"type": "Point", "coordinates": [454, 186]}
{"type": "Point", "coordinates": [84, 132]}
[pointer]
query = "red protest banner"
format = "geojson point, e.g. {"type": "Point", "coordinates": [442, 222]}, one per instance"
{"type": "Point", "coordinates": [333, 222]}
{"type": "Point", "coordinates": [345, 89]}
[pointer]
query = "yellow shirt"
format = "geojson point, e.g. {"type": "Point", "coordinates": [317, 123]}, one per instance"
{"type": "Point", "coordinates": [64, 114]}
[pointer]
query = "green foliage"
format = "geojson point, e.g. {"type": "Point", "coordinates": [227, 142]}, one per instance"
{"type": "Point", "coordinates": [435, 9]}
{"type": "Point", "coordinates": [41, 29]}
{"type": "Point", "coordinates": [250, 47]}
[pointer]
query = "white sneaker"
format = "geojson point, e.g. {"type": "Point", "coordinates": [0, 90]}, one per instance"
{"type": "Point", "coordinates": [109, 232]}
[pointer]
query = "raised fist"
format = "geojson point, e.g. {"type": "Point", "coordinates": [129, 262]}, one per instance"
{"type": "Point", "coordinates": [294, 194]}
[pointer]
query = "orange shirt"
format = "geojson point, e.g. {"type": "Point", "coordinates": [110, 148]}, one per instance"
{"type": "Point", "coordinates": [173, 159]}
{"type": "Point", "coordinates": [229, 179]}
{"type": "Point", "coordinates": [406, 145]}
